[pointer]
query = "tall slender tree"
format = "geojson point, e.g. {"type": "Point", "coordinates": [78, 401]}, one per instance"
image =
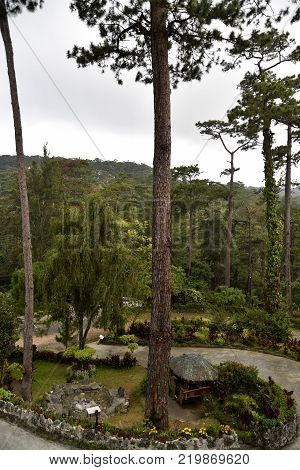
{"type": "Point", "coordinates": [285, 158]}
{"type": "Point", "coordinates": [186, 189]}
{"type": "Point", "coordinates": [266, 100]}
{"type": "Point", "coordinates": [219, 130]}
{"type": "Point", "coordinates": [13, 7]}
{"type": "Point", "coordinates": [166, 42]}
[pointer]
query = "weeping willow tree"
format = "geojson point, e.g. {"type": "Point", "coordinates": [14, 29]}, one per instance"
{"type": "Point", "coordinates": [94, 267]}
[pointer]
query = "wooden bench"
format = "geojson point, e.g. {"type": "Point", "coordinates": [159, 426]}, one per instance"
{"type": "Point", "coordinates": [185, 395]}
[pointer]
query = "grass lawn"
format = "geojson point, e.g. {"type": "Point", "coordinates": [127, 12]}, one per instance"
{"type": "Point", "coordinates": [46, 374]}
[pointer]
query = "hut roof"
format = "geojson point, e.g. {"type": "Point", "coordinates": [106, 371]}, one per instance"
{"type": "Point", "coordinates": [192, 367]}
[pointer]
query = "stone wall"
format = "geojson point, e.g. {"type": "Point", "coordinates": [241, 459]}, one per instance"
{"type": "Point", "coordinates": [86, 437]}
{"type": "Point", "coordinates": [277, 436]}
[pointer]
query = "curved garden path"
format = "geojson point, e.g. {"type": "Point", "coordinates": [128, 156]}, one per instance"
{"type": "Point", "coordinates": [15, 438]}
{"type": "Point", "coordinates": [285, 372]}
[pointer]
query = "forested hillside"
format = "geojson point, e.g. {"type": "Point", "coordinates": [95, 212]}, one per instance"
{"type": "Point", "coordinates": [104, 170]}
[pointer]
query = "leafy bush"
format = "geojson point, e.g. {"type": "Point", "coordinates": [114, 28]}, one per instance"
{"type": "Point", "coordinates": [140, 329]}
{"type": "Point", "coordinates": [202, 336]}
{"type": "Point", "coordinates": [8, 331]}
{"type": "Point", "coordinates": [229, 297]}
{"type": "Point", "coordinates": [133, 347]}
{"type": "Point", "coordinates": [183, 330]}
{"type": "Point", "coordinates": [261, 324]}
{"type": "Point", "coordinates": [15, 371]}
{"type": "Point", "coordinates": [243, 407]}
{"type": "Point", "coordinates": [193, 297]}
{"type": "Point", "coordinates": [236, 378]}
{"type": "Point", "coordinates": [128, 360]}
{"type": "Point", "coordinates": [6, 395]}
{"type": "Point", "coordinates": [127, 339]}
{"type": "Point", "coordinates": [178, 280]}
{"type": "Point", "coordinates": [80, 355]}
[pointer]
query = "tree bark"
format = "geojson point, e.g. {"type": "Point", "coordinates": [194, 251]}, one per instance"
{"type": "Point", "coordinates": [287, 220]}
{"type": "Point", "coordinates": [160, 331]}
{"type": "Point", "coordinates": [26, 233]}
{"type": "Point", "coordinates": [229, 224]}
{"type": "Point", "coordinates": [190, 240]}
{"type": "Point", "coordinates": [249, 278]}
{"type": "Point", "coordinates": [81, 339]}
{"type": "Point", "coordinates": [274, 248]}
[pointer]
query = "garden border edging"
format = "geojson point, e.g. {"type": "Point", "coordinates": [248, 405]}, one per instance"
{"type": "Point", "coordinates": [65, 431]}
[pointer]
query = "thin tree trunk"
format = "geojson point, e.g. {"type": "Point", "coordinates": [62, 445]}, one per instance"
{"type": "Point", "coordinates": [274, 248]}
{"type": "Point", "coordinates": [249, 279]}
{"type": "Point", "coordinates": [190, 243]}
{"type": "Point", "coordinates": [287, 220]}
{"type": "Point", "coordinates": [160, 332]}
{"type": "Point", "coordinates": [229, 225]}
{"type": "Point", "coordinates": [81, 340]}
{"type": "Point", "coordinates": [26, 234]}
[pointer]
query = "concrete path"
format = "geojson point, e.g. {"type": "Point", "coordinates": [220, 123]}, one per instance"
{"type": "Point", "coordinates": [284, 371]}
{"type": "Point", "coordinates": [14, 438]}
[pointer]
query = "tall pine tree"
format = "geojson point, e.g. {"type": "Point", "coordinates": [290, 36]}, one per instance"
{"type": "Point", "coordinates": [13, 7]}
{"type": "Point", "coordinates": [165, 41]}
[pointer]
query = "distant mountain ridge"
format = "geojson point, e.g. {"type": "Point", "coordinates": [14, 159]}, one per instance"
{"type": "Point", "coordinates": [105, 170]}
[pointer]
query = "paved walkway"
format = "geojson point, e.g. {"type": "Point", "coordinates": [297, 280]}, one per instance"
{"type": "Point", "coordinates": [14, 438]}
{"type": "Point", "coordinates": [285, 372]}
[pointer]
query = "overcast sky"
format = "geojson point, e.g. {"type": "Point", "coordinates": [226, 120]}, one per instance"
{"type": "Point", "coordinates": [83, 113]}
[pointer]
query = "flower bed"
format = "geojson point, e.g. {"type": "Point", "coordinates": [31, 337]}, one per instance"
{"type": "Point", "coordinates": [226, 332]}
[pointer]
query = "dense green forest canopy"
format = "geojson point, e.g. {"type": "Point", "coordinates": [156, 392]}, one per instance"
{"type": "Point", "coordinates": [61, 191]}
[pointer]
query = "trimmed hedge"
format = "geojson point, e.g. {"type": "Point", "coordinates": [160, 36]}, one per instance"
{"type": "Point", "coordinates": [115, 361]}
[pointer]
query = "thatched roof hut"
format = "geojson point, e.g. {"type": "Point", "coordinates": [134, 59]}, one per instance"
{"type": "Point", "coordinates": [194, 368]}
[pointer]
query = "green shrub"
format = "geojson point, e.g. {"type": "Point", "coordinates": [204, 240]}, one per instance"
{"type": "Point", "coordinates": [245, 436]}
{"type": "Point", "coordinates": [229, 297]}
{"type": "Point", "coordinates": [80, 355]}
{"type": "Point", "coordinates": [261, 324]}
{"type": "Point", "coordinates": [278, 325]}
{"type": "Point", "coordinates": [202, 336]}
{"type": "Point", "coordinates": [6, 395]}
{"type": "Point", "coordinates": [237, 378]}
{"type": "Point", "coordinates": [15, 371]}
{"type": "Point", "coordinates": [127, 339]}
{"type": "Point", "coordinates": [133, 347]}
{"type": "Point", "coordinates": [213, 429]}
{"type": "Point", "coordinates": [193, 297]}
{"type": "Point", "coordinates": [241, 405]}
{"type": "Point", "coordinates": [8, 331]}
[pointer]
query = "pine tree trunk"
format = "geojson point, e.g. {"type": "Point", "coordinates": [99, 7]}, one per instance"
{"type": "Point", "coordinates": [190, 242]}
{"type": "Point", "coordinates": [249, 278]}
{"type": "Point", "coordinates": [287, 220]}
{"type": "Point", "coordinates": [274, 248]}
{"type": "Point", "coordinates": [229, 225]}
{"type": "Point", "coordinates": [26, 234]}
{"type": "Point", "coordinates": [160, 332]}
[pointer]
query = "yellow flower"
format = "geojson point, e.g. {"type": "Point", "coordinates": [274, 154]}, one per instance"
{"type": "Point", "coordinates": [186, 431]}
{"type": "Point", "coordinates": [202, 432]}
{"type": "Point", "coordinates": [225, 429]}
{"type": "Point", "coordinates": [152, 431]}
